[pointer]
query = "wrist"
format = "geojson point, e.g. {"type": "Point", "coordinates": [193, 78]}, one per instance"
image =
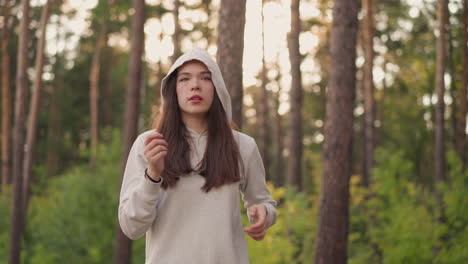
{"type": "Point", "coordinates": [152, 175]}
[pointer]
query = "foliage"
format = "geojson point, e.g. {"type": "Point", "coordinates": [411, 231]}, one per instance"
{"type": "Point", "coordinates": [75, 218]}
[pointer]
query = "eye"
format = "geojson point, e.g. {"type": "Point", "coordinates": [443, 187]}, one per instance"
{"type": "Point", "coordinates": [183, 79]}
{"type": "Point", "coordinates": [206, 78]}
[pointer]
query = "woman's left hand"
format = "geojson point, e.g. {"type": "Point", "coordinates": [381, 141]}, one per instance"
{"type": "Point", "coordinates": [258, 229]}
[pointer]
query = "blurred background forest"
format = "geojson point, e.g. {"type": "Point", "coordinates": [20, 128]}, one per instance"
{"type": "Point", "coordinates": [359, 110]}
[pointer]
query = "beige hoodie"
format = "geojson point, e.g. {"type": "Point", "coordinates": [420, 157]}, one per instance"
{"type": "Point", "coordinates": [184, 224]}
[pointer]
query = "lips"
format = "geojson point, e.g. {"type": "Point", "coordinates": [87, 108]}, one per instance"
{"type": "Point", "coordinates": [195, 98]}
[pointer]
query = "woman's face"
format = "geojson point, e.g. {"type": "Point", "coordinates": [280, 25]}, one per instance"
{"type": "Point", "coordinates": [194, 88]}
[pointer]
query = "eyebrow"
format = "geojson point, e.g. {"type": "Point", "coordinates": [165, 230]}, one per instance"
{"type": "Point", "coordinates": [187, 73]}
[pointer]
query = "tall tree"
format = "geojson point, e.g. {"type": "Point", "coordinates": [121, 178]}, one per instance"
{"type": "Point", "coordinates": [94, 90]}
{"type": "Point", "coordinates": [369, 99]}
{"type": "Point", "coordinates": [17, 218]}
{"type": "Point", "coordinates": [440, 105]}
{"type": "Point", "coordinates": [263, 102]}
{"type": "Point", "coordinates": [122, 254]}
{"type": "Point", "coordinates": [176, 35]}
{"type": "Point", "coordinates": [331, 239]}
{"type": "Point", "coordinates": [294, 172]}
{"type": "Point", "coordinates": [54, 117]}
{"type": "Point", "coordinates": [369, 111]}
{"type": "Point", "coordinates": [230, 51]}
{"type": "Point", "coordinates": [6, 99]}
{"type": "Point", "coordinates": [463, 103]}
{"type": "Point", "coordinates": [34, 105]}
{"type": "Point", "coordinates": [278, 177]}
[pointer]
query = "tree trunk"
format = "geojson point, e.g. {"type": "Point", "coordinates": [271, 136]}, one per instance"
{"type": "Point", "coordinates": [369, 100]}
{"type": "Point", "coordinates": [230, 51]}
{"type": "Point", "coordinates": [107, 91]}
{"type": "Point", "coordinates": [53, 129]}
{"type": "Point", "coordinates": [122, 254]}
{"type": "Point", "coordinates": [440, 105]}
{"type": "Point", "coordinates": [94, 91]}
{"type": "Point", "coordinates": [294, 174]}
{"type": "Point", "coordinates": [369, 116]}
{"type": "Point", "coordinates": [176, 35]}
{"type": "Point", "coordinates": [263, 105]}
{"type": "Point", "coordinates": [17, 217]}
{"type": "Point", "coordinates": [279, 178]}
{"type": "Point", "coordinates": [34, 107]}
{"type": "Point", "coordinates": [463, 104]}
{"type": "Point", "coordinates": [6, 101]}
{"type": "Point", "coordinates": [207, 31]}
{"type": "Point", "coordinates": [331, 241]}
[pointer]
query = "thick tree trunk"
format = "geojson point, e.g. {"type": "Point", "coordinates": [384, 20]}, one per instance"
{"type": "Point", "coordinates": [263, 105]}
{"type": "Point", "coordinates": [17, 217]}
{"type": "Point", "coordinates": [230, 51]}
{"type": "Point", "coordinates": [440, 105]}
{"type": "Point", "coordinates": [463, 103]}
{"type": "Point", "coordinates": [369, 100]}
{"type": "Point", "coordinates": [331, 239]}
{"type": "Point", "coordinates": [176, 35]}
{"type": "Point", "coordinates": [122, 254]}
{"type": "Point", "coordinates": [34, 106]}
{"type": "Point", "coordinates": [294, 172]}
{"type": "Point", "coordinates": [94, 92]}
{"type": "Point", "coordinates": [6, 101]}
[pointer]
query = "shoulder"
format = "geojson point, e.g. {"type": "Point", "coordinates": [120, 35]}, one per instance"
{"type": "Point", "coordinates": [246, 143]}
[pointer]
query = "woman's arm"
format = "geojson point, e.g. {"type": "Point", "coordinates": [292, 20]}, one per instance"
{"type": "Point", "coordinates": [138, 195]}
{"type": "Point", "coordinates": [254, 188]}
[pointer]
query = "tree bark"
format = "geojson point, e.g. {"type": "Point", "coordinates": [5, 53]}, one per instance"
{"type": "Point", "coordinates": [230, 51]}
{"type": "Point", "coordinates": [463, 103]}
{"type": "Point", "coordinates": [122, 254]}
{"type": "Point", "coordinates": [176, 35]}
{"type": "Point", "coordinates": [440, 105]}
{"type": "Point", "coordinates": [331, 241]}
{"type": "Point", "coordinates": [34, 106]}
{"type": "Point", "coordinates": [94, 92]}
{"type": "Point", "coordinates": [107, 91]}
{"type": "Point", "coordinates": [54, 117]}
{"type": "Point", "coordinates": [17, 217]}
{"type": "Point", "coordinates": [279, 178]}
{"type": "Point", "coordinates": [369, 99]}
{"type": "Point", "coordinates": [294, 170]}
{"type": "Point", "coordinates": [6, 100]}
{"type": "Point", "coordinates": [263, 105]}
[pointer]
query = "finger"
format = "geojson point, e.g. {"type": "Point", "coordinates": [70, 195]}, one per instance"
{"type": "Point", "coordinates": [255, 228]}
{"type": "Point", "coordinates": [153, 143]}
{"type": "Point", "coordinates": [253, 212]}
{"type": "Point", "coordinates": [260, 224]}
{"type": "Point", "coordinates": [152, 136]}
{"type": "Point", "coordinates": [159, 156]}
{"type": "Point", "coordinates": [156, 150]}
{"type": "Point", "coordinates": [257, 236]}
{"type": "Point", "coordinates": [256, 233]}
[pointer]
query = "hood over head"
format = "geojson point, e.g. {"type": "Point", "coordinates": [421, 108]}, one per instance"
{"type": "Point", "coordinates": [216, 76]}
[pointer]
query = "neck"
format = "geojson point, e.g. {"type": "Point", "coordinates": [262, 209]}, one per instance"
{"type": "Point", "coordinates": [197, 123]}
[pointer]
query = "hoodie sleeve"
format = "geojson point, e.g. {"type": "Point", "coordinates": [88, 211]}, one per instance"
{"type": "Point", "coordinates": [254, 188]}
{"type": "Point", "coordinates": [138, 195]}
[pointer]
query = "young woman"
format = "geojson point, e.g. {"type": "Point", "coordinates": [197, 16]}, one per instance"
{"type": "Point", "coordinates": [183, 178]}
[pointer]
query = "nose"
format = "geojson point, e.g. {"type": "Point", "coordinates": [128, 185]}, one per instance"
{"type": "Point", "coordinates": [194, 85]}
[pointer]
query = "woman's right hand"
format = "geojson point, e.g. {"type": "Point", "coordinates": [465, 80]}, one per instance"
{"type": "Point", "coordinates": [155, 152]}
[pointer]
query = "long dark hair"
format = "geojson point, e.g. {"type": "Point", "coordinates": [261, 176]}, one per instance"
{"type": "Point", "coordinates": [221, 162]}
